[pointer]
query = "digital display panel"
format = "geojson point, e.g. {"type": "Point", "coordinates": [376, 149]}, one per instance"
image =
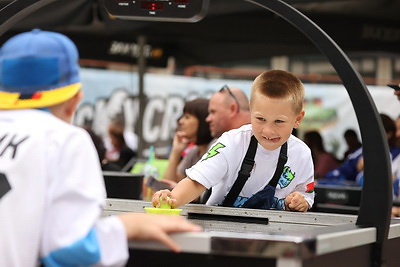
{"type": "Point", "coordinates": [158, 10]}
{"type": "Point", "coordinates": [152, 5]}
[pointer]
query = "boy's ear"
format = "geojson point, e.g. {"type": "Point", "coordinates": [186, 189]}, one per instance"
{"type": "Point", "coordinates": [299, 118]}
{"type": "Point", "coordinates": [73, 103]}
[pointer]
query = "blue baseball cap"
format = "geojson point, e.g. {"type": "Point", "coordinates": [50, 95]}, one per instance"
{"type": "Point", "coordinates": [38, 69]}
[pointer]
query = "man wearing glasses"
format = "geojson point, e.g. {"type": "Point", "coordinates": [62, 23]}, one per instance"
{"type": "Point", "coordinates": [228, 109]}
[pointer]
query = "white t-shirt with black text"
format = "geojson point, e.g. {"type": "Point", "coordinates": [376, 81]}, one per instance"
{"type": "Point", "coordinates": [52, 194]}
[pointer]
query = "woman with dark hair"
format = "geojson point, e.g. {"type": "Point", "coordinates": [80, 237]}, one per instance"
{"type": "Point", "coordinates": [123, 153]}
{"type": "Point", "coordinates": [323, 160]}
{"type": "Point", "coordinates": [192, 128]}
{"type": "Point", "coordinates": [101, 151]}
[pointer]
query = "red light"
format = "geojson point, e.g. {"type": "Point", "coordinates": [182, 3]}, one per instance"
{"type": "Point", "coordinates": [152, 5]}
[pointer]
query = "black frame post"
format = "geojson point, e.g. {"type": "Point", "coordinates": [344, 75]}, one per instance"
{"type": "Point", "coordinates": [376, 200]}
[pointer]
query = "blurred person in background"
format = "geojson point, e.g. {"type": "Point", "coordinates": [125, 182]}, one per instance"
{"type": "Point", "coordinates": [192, 128]}
{"type": "Point", "coordinates": [351, 138]}
{"type": "Point", "coordinates": [398, 130]}
{"type": "Point", "coordinates": [130, 138]}
{"type": "Point", "coordinates": [351, 170]}
{"type": "Point", "coordinates": [101, 151]}
{"type": "Point", "coordinates": [228, 109]}
{"type": "Point", "coordinates": [396, 163]}
{"type": "Point", "coordinates": [323, 160]}
{"type": "Point", "coordinates": [120, 153]}
{"type": "Point", "coordinates": [397, 93]}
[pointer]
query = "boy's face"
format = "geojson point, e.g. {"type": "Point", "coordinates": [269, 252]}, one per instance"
{"type": "Point", "coordinates": [273, 120]}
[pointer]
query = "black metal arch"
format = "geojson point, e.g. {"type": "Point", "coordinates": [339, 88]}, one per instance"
{"type": "Point", "coordinates": [376, 202]}
{"type": "Point", "coordinates": [17, 10]}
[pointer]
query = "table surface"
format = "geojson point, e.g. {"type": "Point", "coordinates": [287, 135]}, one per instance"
{"type": "Point", "coordinates": [261, 233]}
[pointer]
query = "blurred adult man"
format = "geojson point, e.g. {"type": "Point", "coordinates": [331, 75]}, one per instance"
{"type": "Point", "coordinates": [228, 109]}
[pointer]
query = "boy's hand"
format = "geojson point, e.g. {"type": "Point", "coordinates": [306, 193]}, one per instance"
{"type": "Point", "coordinates": [163, 195]}
{"type": "Point", "coordinates": [296, 202]}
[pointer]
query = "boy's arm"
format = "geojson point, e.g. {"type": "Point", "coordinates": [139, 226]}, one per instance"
{"type": "Point", "coordinates": [184, 192]}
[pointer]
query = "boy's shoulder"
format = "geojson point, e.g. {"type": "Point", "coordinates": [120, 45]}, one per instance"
{"type": "Point", "coordinates": [243, 132]}
{"type": "Point", "coordinates": [246, 128]}
{"type": "Point", "coordinates": [33, 119]}
{"type": "Point", "coordinates": [233, 139]}
{"type": "Point", "coordinates": [45, 124]}
{"type": "Point", "coordinates": [294, 141]}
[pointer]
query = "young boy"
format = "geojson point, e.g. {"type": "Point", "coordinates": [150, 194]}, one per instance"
{"type": "Point", "coordinates": [276, 105]}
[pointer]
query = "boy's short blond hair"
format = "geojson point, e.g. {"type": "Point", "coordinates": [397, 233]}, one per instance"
{"type": "Point", "coordinates": [279, 84]}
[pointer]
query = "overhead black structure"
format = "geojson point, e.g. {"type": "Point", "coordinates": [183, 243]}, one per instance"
{"type": "Point", "coordinates": [225, 37]}
{"type": "Point", "coordinates": [17, 10]}
{"type": "Point", "coordinates": [376, 202]}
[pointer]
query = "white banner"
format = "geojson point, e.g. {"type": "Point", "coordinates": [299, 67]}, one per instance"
{"type": "Point", "coordinates": [108, 93]}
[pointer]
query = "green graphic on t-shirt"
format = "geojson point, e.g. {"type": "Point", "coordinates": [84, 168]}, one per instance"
{"type": "Point", "coordinates": [286, 177]}
{"type": "Point", "coordinates": [214, 151]}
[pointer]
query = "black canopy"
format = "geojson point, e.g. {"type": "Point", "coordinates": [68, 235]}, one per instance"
{"type": "Point", "coordinates": [232, 30]}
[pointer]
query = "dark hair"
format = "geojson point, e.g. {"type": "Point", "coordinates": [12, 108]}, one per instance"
{"type": "Point", "coordinates": [199, 109]}
{"type": "Point", "coordinates": [350, 133]}
{"type": "Point", "coordinates": [116, 130]}
{"type": "Point", "coordinates": [314, 140]}
{"type": "Point", "coordinates": [98, 143]}
{"type": "Point", "coordinates": [390, 129]}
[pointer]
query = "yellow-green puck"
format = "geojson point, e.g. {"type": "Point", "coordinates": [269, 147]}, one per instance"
{"type": "Point", "coordinates": [164, 208]}
{"type": "Point", "coordinates": [163, 211]}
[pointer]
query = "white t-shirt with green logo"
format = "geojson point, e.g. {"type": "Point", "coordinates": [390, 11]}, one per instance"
{"type": "Point", "coordinates": [219, 168]}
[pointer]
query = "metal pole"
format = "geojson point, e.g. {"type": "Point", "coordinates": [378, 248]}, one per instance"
{"type": "Point", "coordinates": [376, 200]}
{"type": "Point", "coordinates": [141, 61]}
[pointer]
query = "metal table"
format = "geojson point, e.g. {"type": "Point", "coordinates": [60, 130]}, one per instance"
{"type": "Point", "coordinates": [238, 237]}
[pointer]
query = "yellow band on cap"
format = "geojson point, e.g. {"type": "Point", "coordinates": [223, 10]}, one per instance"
{"type": "Point", "coordinates": [40, 99]}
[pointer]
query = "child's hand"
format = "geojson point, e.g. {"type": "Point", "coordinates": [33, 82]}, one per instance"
{"type": "Point", "coordinates": [156, 227]}
{"type": "Point", "coordinates": [296, 202]}
{"type": "Point", "coordinates": [163, 195]}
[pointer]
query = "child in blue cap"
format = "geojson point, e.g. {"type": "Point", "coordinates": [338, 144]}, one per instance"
{"type": "Point", "coordinates": [51, 184]}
